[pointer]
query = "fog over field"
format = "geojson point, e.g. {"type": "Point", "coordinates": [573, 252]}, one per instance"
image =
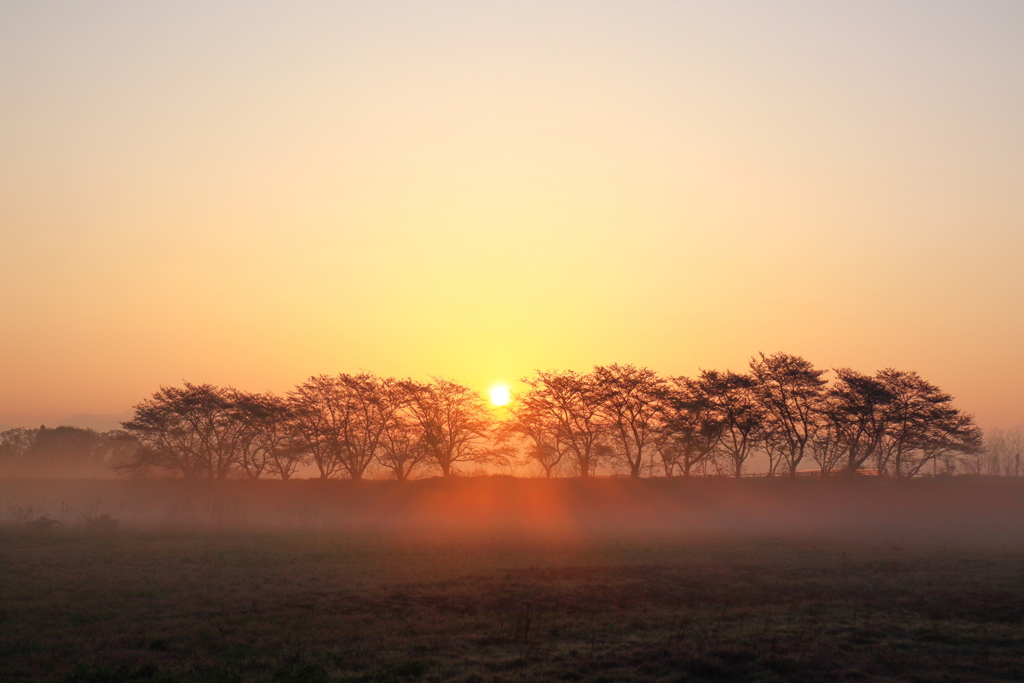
{"type": "Point", "coordinates": [492, 579]}
{"type": "Point", "coordinates": [939, 509]}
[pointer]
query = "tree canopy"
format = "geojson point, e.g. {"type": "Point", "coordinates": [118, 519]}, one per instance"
{"type": "Point", "coordinates": [614, 419]}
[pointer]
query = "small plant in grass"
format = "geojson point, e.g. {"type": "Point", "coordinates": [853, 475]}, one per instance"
{"type": "Point", "coordinates": [43, 523]}
{"type": "Point", "coordinates": [102, 523]}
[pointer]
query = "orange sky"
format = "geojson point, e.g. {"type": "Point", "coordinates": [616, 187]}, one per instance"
{"type": "Point", "coordinates": [257, 192]}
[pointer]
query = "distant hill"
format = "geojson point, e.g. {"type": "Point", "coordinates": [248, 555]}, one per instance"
{"type": "Point", "coordinates": [101, 423]}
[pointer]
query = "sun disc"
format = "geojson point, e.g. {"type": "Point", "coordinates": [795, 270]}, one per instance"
{"type": "Point", "coordinates": [500, 395]}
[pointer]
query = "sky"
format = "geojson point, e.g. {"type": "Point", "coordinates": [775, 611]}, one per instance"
{"type": "Point", "coordinates": [251, 193]}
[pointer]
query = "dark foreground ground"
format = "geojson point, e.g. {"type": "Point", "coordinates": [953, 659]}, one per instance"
{"type": "Point", "coordinates": [105, 602]}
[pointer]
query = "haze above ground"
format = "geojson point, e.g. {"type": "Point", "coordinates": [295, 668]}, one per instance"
{"type": "Point", "coordinates": [251, 193]}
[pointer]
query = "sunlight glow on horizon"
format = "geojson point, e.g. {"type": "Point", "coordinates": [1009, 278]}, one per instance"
{"type": "Point", "coordinates": [248, 194]}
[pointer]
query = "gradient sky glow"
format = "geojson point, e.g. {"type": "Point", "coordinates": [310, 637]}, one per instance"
{"type": "Point", "coordinates": [254, 192]}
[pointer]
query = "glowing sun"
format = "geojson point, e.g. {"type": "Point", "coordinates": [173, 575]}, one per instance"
{"type": "Point", "coordinates": [500, 395]}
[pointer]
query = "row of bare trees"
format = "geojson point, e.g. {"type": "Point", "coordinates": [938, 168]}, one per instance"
{"type": "Point", "coordinates": [637, 422]}
{"type": "Point", "coordinates": [1001, 456]}
{"type": "Point", "coordinates": [617, 417]}
{"type": "Point", "coordinates": [342, 425]}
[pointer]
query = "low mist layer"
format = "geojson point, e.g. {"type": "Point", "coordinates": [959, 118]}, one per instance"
{"type": "Point", "coordinates": [938, 508]}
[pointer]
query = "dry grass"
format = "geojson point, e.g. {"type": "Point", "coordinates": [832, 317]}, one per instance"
{"type": "Point", "coordinates": [103, 602]}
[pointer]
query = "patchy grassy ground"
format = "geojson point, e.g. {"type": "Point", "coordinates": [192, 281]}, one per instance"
{"type": "Point", "coordinates": [122, 605]}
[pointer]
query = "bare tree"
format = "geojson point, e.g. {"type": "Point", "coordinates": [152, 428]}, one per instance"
{"type": "Point", "coordinates": [317, 420]}
{"type": "Point", "coordinates": [190, 430]}
{"type": "Point", "coordinates": [630, 401]}
{"type": "Point", "coordinates": [403, 449]}
{"type": "Point", "coordinates": [690, 426]}
{"type": "Point", "coordinates": [248, 409]}
{"type": "Point", "coordinates": [1014, 446]}
{"type": "Point", "coordinates": [571, 404]}
{"type": "Point", "coordinates": [528, 422]}
{"type": "Point", "coordinates": [1000, 456]}
{"type": "Point", "coordinates": [403, 446]}
{"type": "Point", "coordinates": [949, 435]}
{"type": "Point", "coordinates": [923, 427]}
{"type": "Point", "coordinates": [739, 415]}
{"type": "Point", "coordinates": [915, 404]}
{"type": "Point", "coordinates": [369, 406]}
{"type": "Point", "coordinates": [853, 421]}
{"type": "Point", "coordinates": [343, 420]}
{"type": "Point", "coordinates": [268, 442]}
{"type": "Point", "coordinates": [454, 422]}
{"type": "Point", "coordinates": [790, 391]}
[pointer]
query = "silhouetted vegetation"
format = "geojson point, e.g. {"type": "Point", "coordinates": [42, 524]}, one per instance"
{"type": "Point", "coordinates": [342, 425]}
{"type": "Point", "coordinates": [63, 452]}
{"type": "Point", "coordinates": [616, 419]}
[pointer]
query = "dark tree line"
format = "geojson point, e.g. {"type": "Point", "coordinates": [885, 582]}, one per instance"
{"type": "Point", "coordinates": [616, 418]}
{"type": "Point", "coordinates": [637, 422]}
{"type": "Point", "coordinates": [341, 425]}
{"type": "Point", "coordinates": [62, 452]}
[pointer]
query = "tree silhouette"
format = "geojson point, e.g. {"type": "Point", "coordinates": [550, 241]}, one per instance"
{"type": "Point", "coordinates": [690, 428]}
{"type": "Point", "coordinates": [790, 391]}
{"type": "Point", "coordinates": [60, 451]}
{"type": "Point", "coordinates": [402, 447]}
{"type": "Point", "coordinates": [853, 421]}
{"type": "Point", "coordinates": [268, 441]}
{"type": "Point", "coordinates": [369, 406]}
{"type": "Point", "coordinates": [630, 401]}
{"type": "Point", "coordinates": [618, 415]}
{"type": "Point", "coordinates": [538, 429]}
{"type": "Point", "coordinates": [317, 418]}
{"type": "Point", "coordinates": [189, 430]}
{"type": "Point", "coordinates": [571, 404]}
{"type": "Point", "coordinates": [923, 426]}
{"type": "Point", "coordinates": [454, 422]}
{"type": "Point", "coordinates": [739, 414]}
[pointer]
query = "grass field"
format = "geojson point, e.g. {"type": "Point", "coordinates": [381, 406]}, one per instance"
{"type": "Point", "coordinates": [117, 603]}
